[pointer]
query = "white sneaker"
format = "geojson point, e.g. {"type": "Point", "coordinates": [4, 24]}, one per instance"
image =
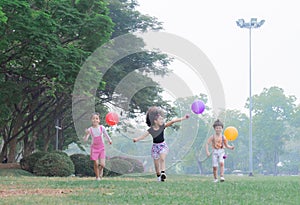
{"type": "Point", "coordinates": [159, 178]}
{"type": "Point", "coordinates": [222, 179]}
{"type": "Point", "coordinates": [215, 180]}
{"type": "Point", "coordinates": [98, 179]}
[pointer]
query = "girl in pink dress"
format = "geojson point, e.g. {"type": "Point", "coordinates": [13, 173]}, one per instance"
{"type": "Point", "coordinates": [97, 147]}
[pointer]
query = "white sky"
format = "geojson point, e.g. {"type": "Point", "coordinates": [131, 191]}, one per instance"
{"type": "Point", "coordinates": [211, 26]}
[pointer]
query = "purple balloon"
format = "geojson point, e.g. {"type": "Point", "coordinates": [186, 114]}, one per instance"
{"type": "Point", "coordinates": [198, 107]}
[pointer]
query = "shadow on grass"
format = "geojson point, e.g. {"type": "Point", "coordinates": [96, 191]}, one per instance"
{"type": "Point", "coordinates": [14, 172]}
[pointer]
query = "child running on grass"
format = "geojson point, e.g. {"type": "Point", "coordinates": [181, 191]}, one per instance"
{"type": "Point", "coordinates": [97, 146]}
{"type": "Point", "coordinates": [159, 151]}
{"type": "Point", "coordinates": [218, 143]}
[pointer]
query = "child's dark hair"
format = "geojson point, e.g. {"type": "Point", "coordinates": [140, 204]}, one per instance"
{"type": "Point", "coordinates": [218, 123]}
{"type": "Point", "coordinates": [95, 113]}
{"type": "Point", "coordinates": [152, 114]}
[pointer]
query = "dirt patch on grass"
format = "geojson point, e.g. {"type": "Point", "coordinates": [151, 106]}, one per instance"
{"type": "Point", "coordinates": [10, 166]}
{"type": "Point", "coordinates": [49, 192]}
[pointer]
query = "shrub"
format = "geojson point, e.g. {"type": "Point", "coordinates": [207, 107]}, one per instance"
{"type": "Point", "coordinates": [83, 165]}
{"type": "Point", "coordinates": [136, 165]}
{"type": "Point", "coordinates": [60, 152]}
{"type": "Point", "coordinates": [54, 164]}
{"type": "Point", "coordinates": [27, 163]}
{"type": "Point", "coordinates": [117, 167]}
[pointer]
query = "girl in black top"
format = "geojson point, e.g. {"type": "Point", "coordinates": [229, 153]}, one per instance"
{"type": "Point", "coordinates": [159, 151]}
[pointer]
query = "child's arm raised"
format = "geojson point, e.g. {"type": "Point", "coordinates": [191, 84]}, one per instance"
{"type": "Point", "coordinates": [176, 120]}
{"type": "Point", "coordinates": [141, 137]}
{"type": "Point", "coordinates": [106, 135]}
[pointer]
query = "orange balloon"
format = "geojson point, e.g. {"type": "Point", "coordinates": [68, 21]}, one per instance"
{"type": "Point", "coordinates": [231, 133]}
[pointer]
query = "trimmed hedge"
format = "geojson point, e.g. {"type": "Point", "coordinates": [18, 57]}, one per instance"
{"type": "Point", "coordinates": [54, 164]}
{"type": "Point", "coordinates": [115, 166]}
{"type": "Point", "coordinates": [83, 165]}
{"type": "Point", "coordinates": [28, 163]}
{"type": "Point", "coordinates": [136, 166]}
{"type": "Point", "coordinates": [60, 152]}
{"type": "Point", "coordinates": [118, 167]}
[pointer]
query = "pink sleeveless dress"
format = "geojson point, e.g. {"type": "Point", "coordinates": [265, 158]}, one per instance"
{"type": "Point", "coordinates": [97, 147]}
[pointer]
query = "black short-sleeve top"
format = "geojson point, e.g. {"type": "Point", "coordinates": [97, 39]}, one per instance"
{"type": "Point", "coordinates": [157, 135]}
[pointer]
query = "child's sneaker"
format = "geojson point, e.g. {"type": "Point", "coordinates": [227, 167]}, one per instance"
{"type": "Point", "coordinates": [163, 177]}
{"type": "Point", "coordinates": [215, 180]}
{"type": "Point", "coordinates": [222, 179]}
{"type": "Point", "coordinates": [159, 178]}
{"type": "Point", "coordinates": [98, 179]}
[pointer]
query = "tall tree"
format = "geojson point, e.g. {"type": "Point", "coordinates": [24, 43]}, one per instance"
{"type": "Point", "coordinates": [290, 159]}
{"type": "Point", "coordinates": [44, 43]}
{"type": "Point", "coordinates": [272, 111]}
{"type": "Point", "coordinates": [127, 20]}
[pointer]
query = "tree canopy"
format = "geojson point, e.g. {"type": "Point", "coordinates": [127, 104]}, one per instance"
{"type": "Point", "coordinates": [44, 44]}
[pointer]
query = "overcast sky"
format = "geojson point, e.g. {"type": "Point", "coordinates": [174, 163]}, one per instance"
{"type": "Point", "coordinates": [211, 26]}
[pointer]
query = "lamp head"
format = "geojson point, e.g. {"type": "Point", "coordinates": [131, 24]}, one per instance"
{"type": "Point", "coordinates": [261, 23]}
{"type": "Point", "coordinates": [253, 22]}
{"type": "Point", "coordinates": [240, 23]}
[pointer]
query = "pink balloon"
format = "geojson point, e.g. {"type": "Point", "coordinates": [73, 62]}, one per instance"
{"type": "Point", "coordinates": [198, 107]}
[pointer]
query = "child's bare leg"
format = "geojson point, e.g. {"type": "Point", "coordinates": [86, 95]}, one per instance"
{"type": "Point", "coordinates": [215, 169]}
{"type": "Point", "coordinates": [101, 167]}
{"type": "Point", "coordinates": [156, 165]}
{"type": "Point", "coordinates": [96, 170]}
{"type": "Point", "coordinates": [163, 161]}
{"type": "Point", "coordinates": [222, 169]}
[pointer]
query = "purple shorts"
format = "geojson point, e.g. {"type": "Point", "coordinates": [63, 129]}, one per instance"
{"type": "Point", "coordinates": [159, 148]}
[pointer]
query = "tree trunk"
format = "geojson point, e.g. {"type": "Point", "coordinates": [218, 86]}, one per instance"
{"type": "Point", "coordinates": [29, 144]}
{"type": "Point", "coordinates": [3, 151]}
{"type": "Point", "coordinates": [47, 139]}
{"type": "Point", "coordinates": [12, 145]}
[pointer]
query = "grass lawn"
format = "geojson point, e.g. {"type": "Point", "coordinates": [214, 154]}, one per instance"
{"type": "Point", "coordinates": [16, 188]}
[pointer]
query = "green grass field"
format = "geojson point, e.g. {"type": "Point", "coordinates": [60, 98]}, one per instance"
{"type": "Point", "coordinates": [19, 189]}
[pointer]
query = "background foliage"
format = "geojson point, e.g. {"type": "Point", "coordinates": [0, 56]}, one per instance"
{"type": "Point", "coordinates": [43, 45]}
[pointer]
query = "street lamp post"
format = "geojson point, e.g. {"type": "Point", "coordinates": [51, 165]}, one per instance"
{"type": "Point", "coordinates": [57, 128]}
{"type": "Point", "coordinates": [250, 25]}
